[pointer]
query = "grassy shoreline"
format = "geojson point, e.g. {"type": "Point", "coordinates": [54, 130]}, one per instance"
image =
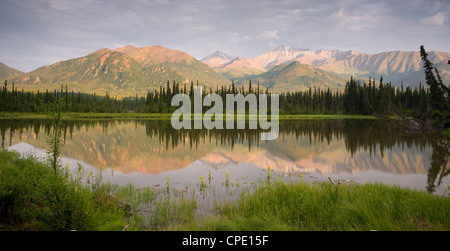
{"type": "Point", "coordinates": [322, 206]}
{"type": "Point", "coordinates": [446, 132]}
{"type": "Point", "coordinates": [80, 116]}
{"type": "Point", "coordinates": [28, 202]}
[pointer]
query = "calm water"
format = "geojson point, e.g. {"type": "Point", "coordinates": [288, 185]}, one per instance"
{"type": "Point", "coordinates": [146, 152]}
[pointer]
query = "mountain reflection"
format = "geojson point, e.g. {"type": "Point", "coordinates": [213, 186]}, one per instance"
{"type": "Point", "coordinates": [325, 146]}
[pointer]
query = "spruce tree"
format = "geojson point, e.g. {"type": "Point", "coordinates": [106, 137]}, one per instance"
{"type": "Point", "coordinates": [437, 100]}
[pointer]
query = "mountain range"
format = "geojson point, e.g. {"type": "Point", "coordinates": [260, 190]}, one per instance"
{"type": "Point", "coordinates": [394, 66]}
{"type": "Point", "coordinates": [124, 71]}
{"type": "Point", "coordinates": [130, 70]}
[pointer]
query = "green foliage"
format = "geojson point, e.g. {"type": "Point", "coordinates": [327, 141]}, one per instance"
{"type": "Point", "coordinates": [322, 206]}
{"type": "Point", "coordinates": [172, 212]}
{"type": "Point", "coordinates": [447, 132]}
{"type": "Point", "coordinates": [27, 202]}
{"type": "Point", "coordinates": [28, 199]}
{"type": "Point", "coordinates": [437, 89]}
{"type": "Point", "coordinates": [358, 98]}
{"type": "Point", "coordinates": [55, 111]}
{"type": "Point", "coordinates": [362, 98]}
{"type": "Point", "coordinates": [439, 100]}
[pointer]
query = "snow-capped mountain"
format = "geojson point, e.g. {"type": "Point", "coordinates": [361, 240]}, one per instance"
{"type": "Point", "coordinates": [395, 66]}
{"type": "Point", "coordinates": [278, 56]}
{"type": "Point", "coordinates": [217, 59]}
{"type": "Point", "coordinates": [270, 59]}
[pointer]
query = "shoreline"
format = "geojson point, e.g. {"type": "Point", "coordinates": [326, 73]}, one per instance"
{"type": "Point", "coordinates": [273, 205]}
{"type": "Point", "coordinates": [75, 116]}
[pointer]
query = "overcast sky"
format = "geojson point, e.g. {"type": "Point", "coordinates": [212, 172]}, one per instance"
{"type": "Point", "coordinates": [34, 33]}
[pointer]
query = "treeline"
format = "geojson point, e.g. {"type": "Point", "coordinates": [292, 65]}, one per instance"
{"type": "Point", "coordinates": [12, 100]}
{"type": "Point", "coordinates": [358, 97]}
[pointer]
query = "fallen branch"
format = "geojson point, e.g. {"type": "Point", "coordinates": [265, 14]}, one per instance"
{"type": "Point", "coordinates": [332, 182]}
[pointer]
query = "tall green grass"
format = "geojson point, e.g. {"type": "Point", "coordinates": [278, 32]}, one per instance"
{"type": "Point", "coordinates": [31, 199]}
{"type": "Point", "coordinates": [323, 206]}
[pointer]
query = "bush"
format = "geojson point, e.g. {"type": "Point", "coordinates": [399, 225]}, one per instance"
{"type": "Point", "coordinates": [436, 117]}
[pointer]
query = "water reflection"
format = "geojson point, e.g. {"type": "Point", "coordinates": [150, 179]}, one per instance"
{"type": "Point", "coordinates": [366, 150]}
{"type": "Point", "coordinates": [439, 164]}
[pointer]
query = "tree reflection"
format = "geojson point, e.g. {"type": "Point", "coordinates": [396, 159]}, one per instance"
{"type": "Point", "coordinates": [439, 163]}
{"type": "Point", "coordinates": [373, 136]}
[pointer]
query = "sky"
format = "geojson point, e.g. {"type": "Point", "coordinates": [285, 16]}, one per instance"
{"type": "Point", "coordinates": [34, 33]}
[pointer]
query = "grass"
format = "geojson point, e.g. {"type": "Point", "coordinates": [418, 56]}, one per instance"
{"type": "Point", "coordinates": [327, 116]}
{"type": "Point", "coordinates": [447, 132]}
{"type": "Point", "coordinates": [327, 207]}
{"type": "Point", "coordinates": [31, 200]}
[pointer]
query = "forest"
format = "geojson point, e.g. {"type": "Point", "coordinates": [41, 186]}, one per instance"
{"type": "Point", "coordinates": [357, 98]}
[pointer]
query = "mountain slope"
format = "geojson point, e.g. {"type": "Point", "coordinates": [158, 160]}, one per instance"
{"type": "Point", "coordinates": [240, 68]}
{"type": "Point", "coordinates": [123, 72]}
{"type": "Point", "coordinates": [151, 55]}
{"type": "Point", "coordinates": [297, 76]}
{"type": "Point", "coordinates": [8, 72]}
{"type": "Point", "coordinates": [395, 66]}
{"type": "Point", "coordinates": [101, 71]}
{"type": "Point", "coordinates": [181, 62]}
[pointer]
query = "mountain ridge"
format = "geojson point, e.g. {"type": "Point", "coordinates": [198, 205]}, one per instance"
{"type": "Point", "coordinates": [298, 76]}
{"type": "Point", "coordinates": [217, 59]}
{"type": "Point", "coordinates": [395, 66]}
{"type": "Point", "coordinates": [130, 70]}
{"type": "Point", "coordinates": [7, 71]}
{"type": "Point", "coordinates": [124, 71]}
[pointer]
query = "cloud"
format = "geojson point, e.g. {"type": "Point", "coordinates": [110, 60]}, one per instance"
{"type": "Point", "coordinates": [35, 32]}
{"type": "Point", "coordinates": [438, 19]}
{"type": "Point", "coordinates": [64, 5]}
{"type": "Point", "coordinates": [236, 38]}
{"type": "Point", "coordinates": [269, 34]}
{"type": "Point", "coordinates": [340, 16]}
{"type": "Point", "coordinates": [357, 14]}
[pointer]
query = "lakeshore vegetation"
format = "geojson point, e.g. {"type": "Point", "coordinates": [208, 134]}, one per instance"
{"type": "Point", "coordinates": [29, 202]}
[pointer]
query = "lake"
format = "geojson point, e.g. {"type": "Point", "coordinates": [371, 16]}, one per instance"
{"type": "Point", "coordinates": [148, 152]}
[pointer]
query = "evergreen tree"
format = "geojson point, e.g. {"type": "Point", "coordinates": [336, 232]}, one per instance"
{"type": "Point", "coordinates": [437, 100]}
